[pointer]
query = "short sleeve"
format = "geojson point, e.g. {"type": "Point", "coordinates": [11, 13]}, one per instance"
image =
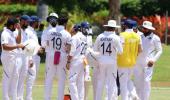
{"type": "Point", "coordinates": [69, 39]}
{"type": "Point", "coordinates": [96, 44]}
{"type": "Point", "coordinates": [44, 38]}
{"type": "Point", "coordinates": [4, 38]}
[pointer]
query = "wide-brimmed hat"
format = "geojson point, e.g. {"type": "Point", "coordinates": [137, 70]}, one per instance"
{"type": "Point", "coordinates": [52, 15]}
{"type": "Point", "coordinates": [111, 23]}
{"type": "Point", "coordinates": [148, 25]}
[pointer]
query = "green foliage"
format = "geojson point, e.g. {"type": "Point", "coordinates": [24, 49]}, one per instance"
{"type": "Point", "coordinates": [139, 8]}
{"type": "Point", "coordinates": [100, 16]}
{"type": "Point", "coordinates": [88, 6]}
{"type": "Point", "coordinates": [14, 9]}
{"type": "Point", "coordinates": [131, 7]}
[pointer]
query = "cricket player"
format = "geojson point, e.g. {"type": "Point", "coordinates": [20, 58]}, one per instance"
{"type": "Point", "coordinates": [126, 61]}
{"type": "Point", "coordinates": [86, 29]}
{"type": "Point", "coordinates": [34, 61]}
{"type": "Point", "coordinates": [77, 63]}
{"type": "Point", "coordinates": [152, 50]}
{"type": "Point", "coordinates": [58, 41]}
{"type": "Point", "coordinates": [10, 44]}
{"type": "Point", "coordinates": [24, 22]}
{"type": "Point", "coordinates": [109, 45]}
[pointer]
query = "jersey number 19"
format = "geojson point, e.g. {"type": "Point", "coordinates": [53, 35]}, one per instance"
{"type": "Point", "coordinates": [56, 43]}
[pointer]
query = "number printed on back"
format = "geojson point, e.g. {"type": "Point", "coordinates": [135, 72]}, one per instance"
{"type": "Point", "coordinates": [56, 40]}
{"type": "Point", "coordinates": [106, 45]}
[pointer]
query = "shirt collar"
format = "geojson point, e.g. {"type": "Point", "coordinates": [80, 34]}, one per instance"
{"type": "Point", "coordinates": [150, 36]}
{"type": "Point", "coordinates": [60, 27]}
{"type": "Point", "coordinates": [129, 30]}
{"type": "Point", "coordinates": [8, 30]}
{"type": "Point", "coordinates": [109, 32]}
{"type": "Point", "coordinates": [31, 28]}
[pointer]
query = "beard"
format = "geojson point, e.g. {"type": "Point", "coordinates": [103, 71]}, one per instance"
{"type": "Point", "coordinates": [24, 26]}
{"type": "Point", "coordinates": [147, 33]}
{"type": "Point", "coordinates": [12, 29]}
{"type": "Point", "coordinates": [53, 24]}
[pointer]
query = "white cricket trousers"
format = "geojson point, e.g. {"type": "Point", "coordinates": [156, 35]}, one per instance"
{"type": "Point", "coordinates": [76, 79]}
{"type": "Point", "coordinates": [32, 73]}
{"type": "Point", "coordinates": [22, 77]}
{"type": "Point", "coordinates": [125, 74]}
{"type": "Point", "coordinates": [107, 74]}
{"type": "Point", "coordinates": [142, 80]}
{"type": "Point", "coordinates": [52, 71]}
{"type": "Point", "coordinates": [11, 68]}
{"type": "Point", "coordinates": [94, 80]}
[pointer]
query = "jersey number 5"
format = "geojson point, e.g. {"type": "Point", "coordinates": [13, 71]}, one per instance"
{"type": "Point", "coordinates": [56, 42]}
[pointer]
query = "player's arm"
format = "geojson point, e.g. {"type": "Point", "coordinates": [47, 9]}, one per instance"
{"type": "Point", "coordinates": [6, 46]}
{"type": "Point", "coordinates": [158, 48]}
{"type": "Point", "coordinates": [70, 49]}
{"type": "Point", "coordinates": [11, 47]}
{"type": "Point", "coordinates": [140, 45]}
{"type": "Point", "coordinates": [18, 37]}
{"type": "Point", "coordinates": [96, 44]}
{"type": "Point", "coordinates": [119, 46]}
{"type": "Point", "coordinates": [44, 39]}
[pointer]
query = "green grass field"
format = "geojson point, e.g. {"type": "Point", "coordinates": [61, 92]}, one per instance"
{"type": "Point", "coordinates": [160, 82]}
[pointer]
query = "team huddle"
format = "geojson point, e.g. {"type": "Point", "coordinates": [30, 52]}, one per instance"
{"type": "Point", "coordinates": [111, 57]}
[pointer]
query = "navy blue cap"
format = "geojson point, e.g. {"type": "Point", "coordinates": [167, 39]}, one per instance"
{"type": "Point", "coordinates": [85, 25]}
{"type": "Point", "coordinates": [35, 19]}
{"type": "Point", "coordinates": [130, 23]}
{"type": "Point", "coordinates": [77, 27]}
{"type": "Point", "coordinates": [123, 21]}
{"type": "Point", "coordinates": [11, 21]}
{"type": "Point", "coordinates": [25, 17]}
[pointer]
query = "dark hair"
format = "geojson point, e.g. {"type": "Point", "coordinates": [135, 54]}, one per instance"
{"type": "Point", "coordinates": [63, 19]}
{"type": "Point", "coordinates": [11, 21]}
{"type": "Point", "coordinates": [110, 28]}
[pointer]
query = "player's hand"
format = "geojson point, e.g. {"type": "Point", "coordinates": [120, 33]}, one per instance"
{"type": "Point", "coordinates": [67, 48]}
{"type": "Point", "coordinates": [68, 65]}
{"type": "Point", "coordinates": [41, 50]}
{"type": "Point", "coordinates": [150, 63]}
{"type": "Point", "coordinates": [30, 63]}
{"type": "Point", "coordinates": [18, 27]}
{"type": "Point", "coordinates": [20, 46]}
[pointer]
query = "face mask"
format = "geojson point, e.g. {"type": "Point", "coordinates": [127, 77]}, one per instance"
{"type": "Point", "coordinates": [84, 31]}
{"type": "Point", "coordinates": [53, 22]}
{"type": "Point", "coordinates": [89, 31]}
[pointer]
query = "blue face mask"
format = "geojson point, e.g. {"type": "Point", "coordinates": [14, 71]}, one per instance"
{"type": "Point", "coordinates": [53, 22]}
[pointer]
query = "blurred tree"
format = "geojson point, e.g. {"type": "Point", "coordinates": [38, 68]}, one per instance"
{"type": "Point", "coordinates": [42, 9]}
{"type": "Point", "coordinates": [88, 6]}
{"type": "Point", "coordinates": [114, 9]}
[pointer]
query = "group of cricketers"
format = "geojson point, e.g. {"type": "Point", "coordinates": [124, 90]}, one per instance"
{"type": "Point", "coordinates": [114, 57]}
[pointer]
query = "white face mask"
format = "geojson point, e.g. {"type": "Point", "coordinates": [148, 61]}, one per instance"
{"type": "Point", "coordinates": [90, 31]}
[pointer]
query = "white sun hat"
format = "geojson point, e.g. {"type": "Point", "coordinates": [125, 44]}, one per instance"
{"type": "Point", "coordinates": [112, 23]}
{"type": "Point", "coordinates": [31, 47]}
{"type": "Point", "coordinates": [148, 25]}
{"type": "Point", "coordinates": [52, 15]}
